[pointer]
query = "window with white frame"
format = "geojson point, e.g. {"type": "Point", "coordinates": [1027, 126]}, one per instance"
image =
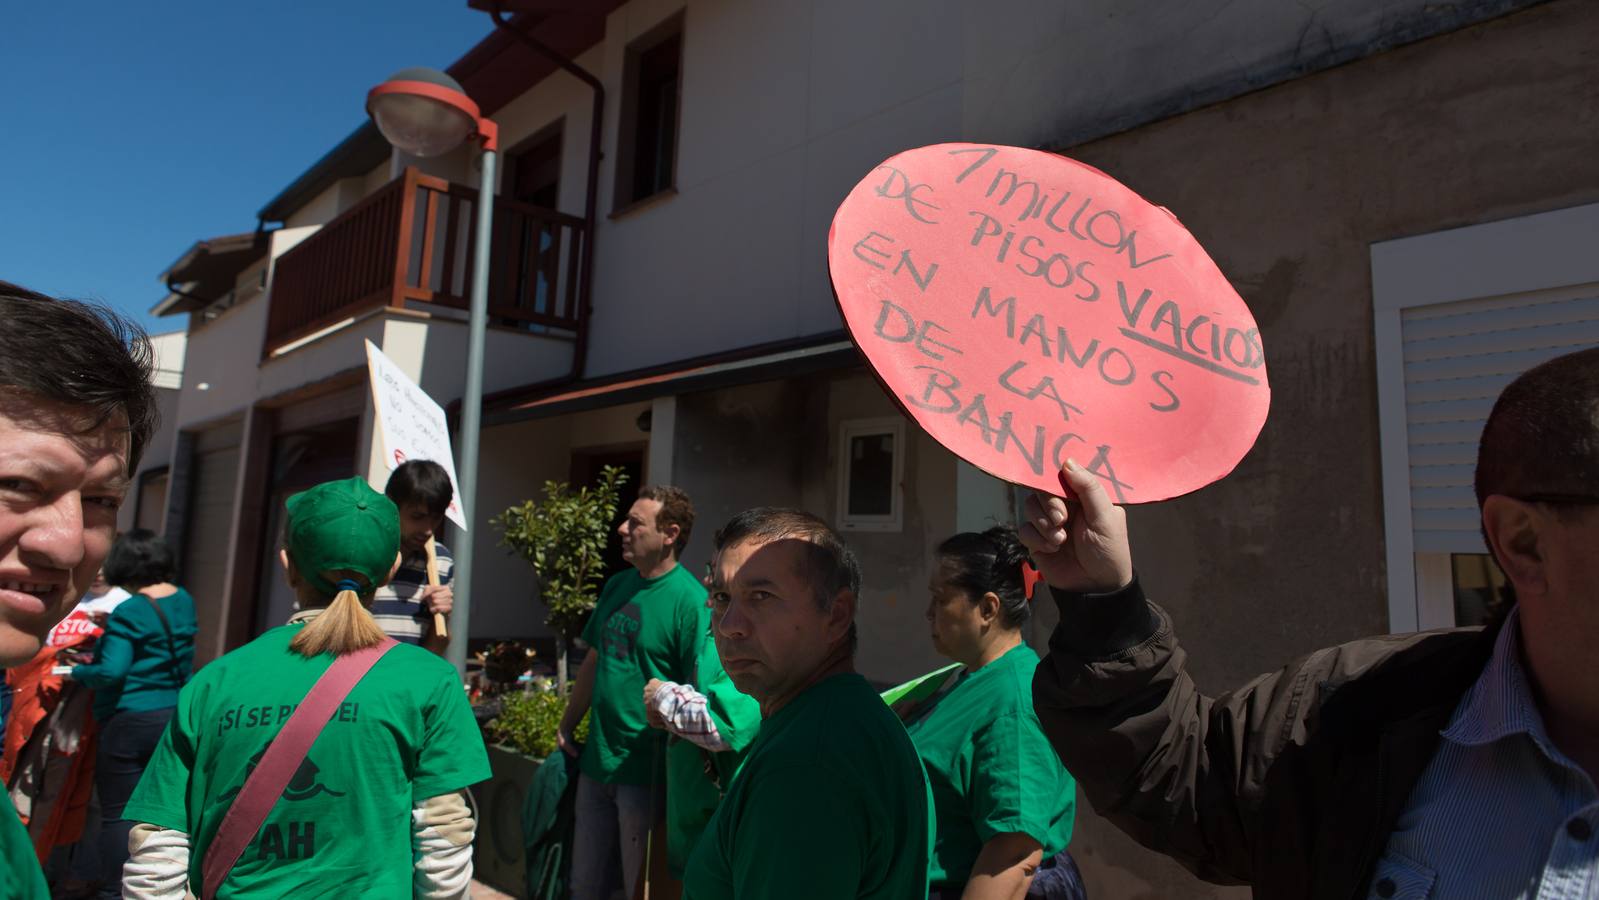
{"type": "Point", "coordinates": [871, 468]}
{"type": "Point", "coordinates": [1458, 315]}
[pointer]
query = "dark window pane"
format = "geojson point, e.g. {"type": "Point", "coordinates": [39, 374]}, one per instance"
{"type": "Point", "coordinates": [655, 122]}
{"type": "Point", "coordinates": [871, 475]}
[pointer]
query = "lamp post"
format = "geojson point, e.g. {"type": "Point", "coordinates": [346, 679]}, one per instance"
{"type": "Point", "coordinates": [425, 112]}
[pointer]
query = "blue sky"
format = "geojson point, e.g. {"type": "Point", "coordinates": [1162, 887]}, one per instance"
{"type": "Point", "coordinates": [131, 130]}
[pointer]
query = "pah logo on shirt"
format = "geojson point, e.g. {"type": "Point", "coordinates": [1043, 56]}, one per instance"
{"type": "Point", "coordinates": [303, 786]}
{"type": "Point", "coordinates": [289, 840]}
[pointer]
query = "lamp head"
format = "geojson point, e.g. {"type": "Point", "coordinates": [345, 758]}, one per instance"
{"type": "Point", "coordinates": [423, 112]}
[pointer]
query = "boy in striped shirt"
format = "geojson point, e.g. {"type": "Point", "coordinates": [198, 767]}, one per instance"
{"type": "Point", "coordinates": [405, 606]}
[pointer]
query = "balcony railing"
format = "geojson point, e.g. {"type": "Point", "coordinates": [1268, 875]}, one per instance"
{"type": "Point", "coordinates": [411, 243]}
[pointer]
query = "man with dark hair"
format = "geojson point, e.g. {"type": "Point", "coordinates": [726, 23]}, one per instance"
{"type": "Point", "coordinates": [76, 411]}
{"type": "Point", "coordinates": [831, 800]}
{"type": "Point", "coordinates": [672, 508]}
{"type": "Point", "coordinates": [405, 606]}
{"type": "Point", "coordinates": [1449, 764]}
{"type": "Point", "coordinates": [648, 624]}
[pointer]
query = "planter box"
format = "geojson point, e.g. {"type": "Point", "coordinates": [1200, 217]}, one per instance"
{"type": "Point", "coordinates": [498, 856]}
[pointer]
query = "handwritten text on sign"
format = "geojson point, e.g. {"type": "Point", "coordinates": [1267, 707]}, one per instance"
{"type": "Point", "coordinates": [1024, 308]}
{"type": "Point", "coordinates": [410, 423]}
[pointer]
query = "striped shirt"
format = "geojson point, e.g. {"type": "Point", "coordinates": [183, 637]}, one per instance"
{"type": "Point", "coordinates": [398, 605]}
{"type": "Point", "coordinates": [1499, 812]}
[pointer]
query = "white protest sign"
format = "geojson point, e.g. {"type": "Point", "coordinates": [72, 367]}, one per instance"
{"type": "Point", "coordinates": [410, 424]}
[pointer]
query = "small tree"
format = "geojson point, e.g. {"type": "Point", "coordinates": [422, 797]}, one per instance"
{"type": "Point", "coordinates": [563, 538]}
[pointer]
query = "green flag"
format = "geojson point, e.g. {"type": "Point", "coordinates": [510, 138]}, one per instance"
{"type": "Point", "coordinates": [907, 695]}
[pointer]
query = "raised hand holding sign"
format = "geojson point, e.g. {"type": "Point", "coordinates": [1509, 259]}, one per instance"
{"type": "Point", "coordinates": [1025, 309]}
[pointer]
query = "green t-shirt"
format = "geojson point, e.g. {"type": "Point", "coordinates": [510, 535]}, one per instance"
{"type": "Point", "coordinates": [691, 796]}
{"type": "Point", "coordinates": [642, 628]}
{"type": "Point", "coordinates": [831, 802]}
{"type": "Point", "coordinates": [343, 826]}
{"type": "Point", "coordinates": [991, 768]}
{"type": "Point", "coordinates": [20, 875]}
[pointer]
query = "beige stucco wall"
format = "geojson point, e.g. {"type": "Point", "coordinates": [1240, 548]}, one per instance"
{"type": "Point", "coordinates": [220, 355]}
{"type": "Point", "coordinates": [219, 375]}
{"type": "Point", "coordinates": [775, 443]}
{"type": "Point", "coordinates": [515, 460]}
{"type": "Point", "coordinates": [379, 176]}
{"type": "Point", "coordinates": [431, 350]}
{"type": "Point", "coordinates": [318, 210]}
{"type": "Point", "coordinates": [339, 196]}
{"type": "Point", "coordinates": [784, 106]}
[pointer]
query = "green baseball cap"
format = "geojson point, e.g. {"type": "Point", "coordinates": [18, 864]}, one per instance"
{"type": "Point", "coordinates": [343, 526]}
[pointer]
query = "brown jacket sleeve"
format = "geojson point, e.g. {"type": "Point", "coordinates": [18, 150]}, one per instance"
{"type": "Point", "coordinates": [1178, 771]}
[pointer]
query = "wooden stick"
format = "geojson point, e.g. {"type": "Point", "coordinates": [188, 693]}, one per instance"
{"type": "Point", "coordinates": [439, 628]}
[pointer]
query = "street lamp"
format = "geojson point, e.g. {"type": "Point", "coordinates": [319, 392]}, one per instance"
{"type": "Point", "coordinates": [426, 113]}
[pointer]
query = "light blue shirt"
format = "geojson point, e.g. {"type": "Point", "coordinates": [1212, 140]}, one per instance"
{"type": "Point", "coordinates": [1500, 812]}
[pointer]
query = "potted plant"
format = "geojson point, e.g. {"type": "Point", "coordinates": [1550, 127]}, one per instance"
{"type": "Point", "coordinates": [528, 721]}
{"type": "Point", "coordinates": [521, 737]}
{"type": "Point", "coordinates": [563, 538]}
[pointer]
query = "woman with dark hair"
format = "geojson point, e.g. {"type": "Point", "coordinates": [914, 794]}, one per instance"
{"type": "Point", "coordinates": [1003, 804]}
{"type": "Point", "coordinates": [141, 662]}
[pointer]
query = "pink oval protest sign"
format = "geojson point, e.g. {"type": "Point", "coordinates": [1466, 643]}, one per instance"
{"type": "Point", "coordinates": [1024, 308]}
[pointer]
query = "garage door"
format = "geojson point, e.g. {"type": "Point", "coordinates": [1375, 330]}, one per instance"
{"type": "Point", "coordinates": [205, 557]}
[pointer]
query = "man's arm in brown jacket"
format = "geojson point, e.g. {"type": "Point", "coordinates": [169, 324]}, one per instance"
{"type": "Point", "coordinates": [1178, 771]}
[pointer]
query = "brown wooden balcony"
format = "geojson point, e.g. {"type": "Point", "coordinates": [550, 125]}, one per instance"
{"type": "Point", "coordinates": [411, 243]}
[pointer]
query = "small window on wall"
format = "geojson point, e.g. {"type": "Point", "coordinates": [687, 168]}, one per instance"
{"type": "Point", "coordinates": [647, 145]}
{"type": "Point", "coordinates": [871, 467]}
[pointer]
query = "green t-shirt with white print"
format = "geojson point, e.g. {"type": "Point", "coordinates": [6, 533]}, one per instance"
{"type": "Point", "coordinates": [404, 734]}
{"type": "Point", "coordinates": [641, 628]}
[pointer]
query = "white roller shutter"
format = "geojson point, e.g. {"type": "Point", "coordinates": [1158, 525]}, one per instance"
{"type": "Point", "coordinates": [1457, 358]}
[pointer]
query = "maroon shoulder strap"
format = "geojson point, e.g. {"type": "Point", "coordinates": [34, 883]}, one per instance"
{"type": "Point", "coordinates": [281, 760]}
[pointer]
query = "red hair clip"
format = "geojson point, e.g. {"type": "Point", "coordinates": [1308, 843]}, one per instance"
{"type": "Point", "coordinates": [1030, 579]}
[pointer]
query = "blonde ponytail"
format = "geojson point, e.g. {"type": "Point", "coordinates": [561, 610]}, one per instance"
{"type": "Point", "coordinates": [344, 627]}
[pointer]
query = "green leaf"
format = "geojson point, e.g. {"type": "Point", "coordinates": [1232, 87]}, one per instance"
{"type": "Point", "coordinates": [528, 722]}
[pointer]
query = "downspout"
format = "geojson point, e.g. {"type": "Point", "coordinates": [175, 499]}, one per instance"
{"type": "Point", "coordinates": [174, 290]}
{"type": "Point", "coordinates": [258, 241]}
{"type": "Point", "coordinates": [585, 290]}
